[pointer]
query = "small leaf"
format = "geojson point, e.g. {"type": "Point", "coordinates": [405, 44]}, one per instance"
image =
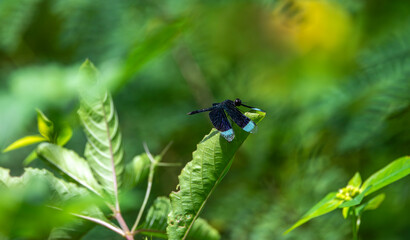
{"type": "Point", "coordinates": [371, 204]}
{"type": "Point", "coordinates": [356, 180]}
{"type": "Point", "coordinates": [71, 164]}
{"type": "Point", "coordinates": [394, 171]}
{"type": "Point", "coordinates": [89, 71]}
{"type": "Point", "coordinates": [199, 178]}
{"type": "Point", "coordinates": [30, 158]}
{"type": "Point", "coordinates": [327, 204]}
{"type": "Point", "coordinates": [25, 141]}
{"type": "Point", "coordinates": [137, 170]}
{"type": "Point", "coordinates": [64, 135]}
{"type": "Point", "coordinates": [157, 220]}
{"type": "Point", "coordinates": [375, 202]}
{"type": "Point", "coordinates": [201, 230]}
{"type": "Point", "coordinates": [345, 212]}
{"type": "Point", "coordinates": [45, 126]}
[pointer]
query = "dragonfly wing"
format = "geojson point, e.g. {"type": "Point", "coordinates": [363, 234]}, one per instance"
{"type": "Point", "coordinates": [241, 120]}
{"type": "Point", "coordinates": [221, 123]}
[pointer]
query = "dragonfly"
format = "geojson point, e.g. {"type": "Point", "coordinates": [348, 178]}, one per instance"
{"type": "Point", "coordinates": [221, 122]}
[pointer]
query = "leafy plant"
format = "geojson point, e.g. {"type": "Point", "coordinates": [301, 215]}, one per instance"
{"type": "Point", "coordinates": [351, 197]}
{"type": "Point", "coordinates": [102, 174]}
{"type": "Point", "coordinates": [48, 133]}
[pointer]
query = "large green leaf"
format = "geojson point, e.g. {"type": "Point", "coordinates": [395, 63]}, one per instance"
{"type": "Point", "coordinates": [104, 147]}
{"type": "Point", "coordinates": [394, 171]}
{"type": "Point", "coordinates": [327, 204]}
{"type": "Point", "coordinates": [198, 179]}
{"type": "Point", "coordinates": [71, 164]}
{"type": "Point", "coordinates": [156, 220]}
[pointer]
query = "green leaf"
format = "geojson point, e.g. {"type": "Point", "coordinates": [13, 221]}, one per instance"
{"type": "Point", "coordinates": [64, 135]}
{"type": "Point", "coordinates": [42, 185]}
{"type": "Point", "coordinates": [104, 147]}
{"type": "Point", "coordinates": [371, 204]}
{"type": "Point", "coordinates": [327, 204]}
{"type": "Point", "coordinates": [375, 202]}
{"type": "Point", "coordinates": [45, 126]}
{"type": "Point", "coordinates": [25, 141]}
{"type": "Point", "coordinates": [394, 171]}
{"type": "Point", "coordinates": [74, 230]}
{"type": "Point", "coordinates": [201, 230]}
{"type": "Point", "coordinates": [199, 178]}
{"type": "Point", "coordinates": [30, 158]}
{"type": "Point", "coordinates": [71, 164]}
{"type": "Point", "coordinates": [137, 170]}
{"type": "Point", "coordinates": [156, 220]}
{"type": "Point", "coordinates": [345, 212]}
{"type": "Point", "coordinates": [356, 180]}
{"type": "Point", "coordinates": [89, 72]}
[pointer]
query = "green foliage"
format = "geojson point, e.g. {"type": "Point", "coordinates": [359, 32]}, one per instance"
{"type": "Point", "coordinates": [136, 171]}
{"type": "Point", "coordinates": [37, 190]}
{"type": "Point", "coordinates": [70, 164]}
{"type": "Point", "coordinates": [335, 86]}
{"type": "Point", "coordinates": [156, 219]}
{"type": "Point", "coordinates": [327, 204]}
{"type": "Point", "coordinates": [25, 141]}
{"type": "Point", "coordinates": [396, 170]}
{"type": "Point", "coordinates": [211, 161]}
{"type": "Point", "coordinates": [104, 148]}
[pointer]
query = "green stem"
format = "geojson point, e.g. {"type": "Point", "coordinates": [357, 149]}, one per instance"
{"type": "Point", "coordinates": [354, 224]}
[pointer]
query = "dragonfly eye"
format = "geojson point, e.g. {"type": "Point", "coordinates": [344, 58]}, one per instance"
{"type": "Point", "coordinates": [238, 102]}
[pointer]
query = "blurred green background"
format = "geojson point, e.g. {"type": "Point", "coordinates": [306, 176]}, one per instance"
{"type": "Point", "coordinates": [333, 77]}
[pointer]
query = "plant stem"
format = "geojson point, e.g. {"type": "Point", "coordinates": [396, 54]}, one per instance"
{"type": "Point", "coordinates": [354, 223]}
{"type": "Point", "coordinates": [120, 219]}
{"type": "Point", "coordinates": [95, 220]}
{"type": "Point", "coordinates": [149, 186]}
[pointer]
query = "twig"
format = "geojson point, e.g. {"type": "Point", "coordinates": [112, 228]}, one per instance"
{"type": "Point", "coordinates": [149, 186]}
{"type": "Point", "coordinates": [95, 220]}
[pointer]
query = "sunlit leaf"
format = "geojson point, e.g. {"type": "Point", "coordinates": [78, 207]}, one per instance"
{"type": "Point", "coordinates": [355, 181]}
{"type": "Point", "coordinates": [389, 174]}
{"type": "Point", "coordinates": [70, 164]}
{"type": "Point", "coordinates": [199, 178]}
{"type": "Point", "coordinates": [327, 204]}
{"type": "Point", "coordinates": [104, 150]}
{"type": "Point", "coordinates": [45, 126]}
{"type": "Point", "coordinates": [25, 141]}
{"type": "Point", "coordinates": [156, 220]}
{"type": "Point", "coordinates": [64, 135]}
{"type": "Point", "coordinates": [345, 212]}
